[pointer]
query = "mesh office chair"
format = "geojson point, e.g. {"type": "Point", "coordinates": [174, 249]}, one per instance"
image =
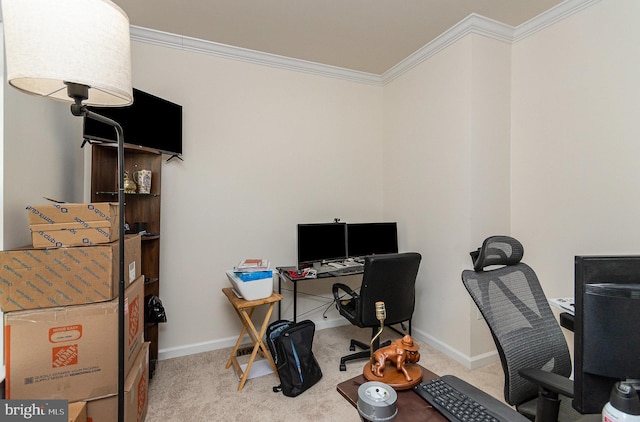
{"type": "Point", "coordinates": [389, 278]}
{"type": "Point", "coordinates": [526, 333]}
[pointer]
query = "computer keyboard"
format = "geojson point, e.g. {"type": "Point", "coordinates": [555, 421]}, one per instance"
{"type": "Point", "coordinates": [324, 269]}
{"type": "Point", "coordinates": [459, 401]}
{"type": "Point", "coordinates": [348, 270]}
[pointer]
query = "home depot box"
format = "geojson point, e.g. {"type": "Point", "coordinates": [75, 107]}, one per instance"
{"type": "Point", "coordinates": [58, 225]}
{"type": "Point", "coordinates": [136, 388]}
{"type": "Point", "coordinates": [71, 353]}
{"type": "Point", "coordinates": [45, 278]}
{"type": "Point", "coordinates": [78, 411]}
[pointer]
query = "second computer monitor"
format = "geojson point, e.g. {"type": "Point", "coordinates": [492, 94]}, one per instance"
{"type": "Point", "coordinates": [365, 239]}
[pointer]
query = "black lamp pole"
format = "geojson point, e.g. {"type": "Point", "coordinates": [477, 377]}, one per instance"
{"type": "Point", "coordinates": [80, 93]}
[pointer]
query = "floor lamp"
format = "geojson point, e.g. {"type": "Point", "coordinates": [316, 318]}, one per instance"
{"type": "Point", "coordinates": [75, 51]}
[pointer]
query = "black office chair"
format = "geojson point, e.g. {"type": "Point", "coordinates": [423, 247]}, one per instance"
{"type": "Point", "coordinates": [533, 351]}
{"type": "Point", "coordinates": [389, 278]}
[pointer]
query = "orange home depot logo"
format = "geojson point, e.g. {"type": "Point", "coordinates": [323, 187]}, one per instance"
{"type": "Point", "coordinates": [134, 318]}
{"type": "Point", "coordinates": [64, 356]}
{"type": "Point", "coordinates": [142, 394]}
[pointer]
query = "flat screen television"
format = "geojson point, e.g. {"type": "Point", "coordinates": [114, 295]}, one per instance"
{"type": "Point", "coordinates": [321, 242]}
{"type": "Point", "coordinates": [150, 122]}
{"type": "Point", "coordinates": [371, 239]}
{"type": "Point", "coordinates": [606, 326]}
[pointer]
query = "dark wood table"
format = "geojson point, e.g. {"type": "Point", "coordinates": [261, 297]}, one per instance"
{"type": "Point", "coordinates": [411, 407]}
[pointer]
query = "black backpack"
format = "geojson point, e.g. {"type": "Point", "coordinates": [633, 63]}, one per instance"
{"type": "Point", "coordinates": [290, 346]}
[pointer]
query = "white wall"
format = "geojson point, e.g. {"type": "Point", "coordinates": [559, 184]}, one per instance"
{"type": "Point", "coordinates": [264, 149]}
{"type": "Point", "coordinates": [42, 158]}
{"type": "Point", "coordinates": [576, 140]}
{"type": "Point", "coordinates": [538, 139]}
{"type": "Point", "coordinates": [447, 178]}
{"type": "Point", "coordinates": [489, 163]}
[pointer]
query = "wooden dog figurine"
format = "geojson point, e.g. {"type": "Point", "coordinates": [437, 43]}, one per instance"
{"type": "Point", "coordinates": [399, 352]}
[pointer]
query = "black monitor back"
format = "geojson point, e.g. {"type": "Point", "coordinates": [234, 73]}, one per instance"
{"type": "Point", "coordinates": [607, 320]}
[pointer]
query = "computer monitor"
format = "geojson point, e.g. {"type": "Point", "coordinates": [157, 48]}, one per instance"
{"type": "Point", "coordinates": [606, 327]}
{"type": "Point", "coordinates": [365, 239]}
{"type": "Point", "coordinates": [321, 242]}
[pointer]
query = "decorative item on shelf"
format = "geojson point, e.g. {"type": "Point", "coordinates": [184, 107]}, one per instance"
{"type": "Point", "coordinates": [129, 185]}
{"type": "Point", "coordinates": [143, 179]}
{"type": "Point", "coordinates": [396, 364]}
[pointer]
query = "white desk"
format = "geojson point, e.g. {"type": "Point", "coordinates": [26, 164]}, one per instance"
{"type": "Point", "coordinates": [563, 304]}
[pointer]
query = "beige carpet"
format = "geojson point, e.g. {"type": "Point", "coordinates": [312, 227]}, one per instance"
{"type": "Point", "coordinates": [199, 388]}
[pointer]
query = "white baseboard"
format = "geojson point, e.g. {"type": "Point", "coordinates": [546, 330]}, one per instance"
{"type": "Point", "coordinates": [207, 346]}
{"type": "Point", "coordinates": [471, 362]}
{"type": "Point", "coordinates": [331, 323]}
{"type": "Point", "coordinates": [192, 349]}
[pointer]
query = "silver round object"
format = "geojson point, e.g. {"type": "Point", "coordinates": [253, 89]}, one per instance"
{"type": "Point", "coordinates": [377, 401]}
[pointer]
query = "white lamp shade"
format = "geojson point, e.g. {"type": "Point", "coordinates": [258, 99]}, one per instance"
{"type": "Point", "coordinates": [50, 42]}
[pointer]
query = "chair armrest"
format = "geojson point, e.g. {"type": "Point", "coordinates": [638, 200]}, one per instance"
{"type": "Point", "coordinates": [549, 381]}
{"type": "Point", "coordinates": [339, 286]}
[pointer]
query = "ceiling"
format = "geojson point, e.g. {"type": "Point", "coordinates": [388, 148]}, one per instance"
{"type": "Point", "coordinates": [363, 35]}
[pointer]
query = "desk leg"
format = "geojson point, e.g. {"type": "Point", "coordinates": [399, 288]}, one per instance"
{"type": "Point", "coordinates": [280, 293]}
{"type": "Point", "coordinates": [295, 300]}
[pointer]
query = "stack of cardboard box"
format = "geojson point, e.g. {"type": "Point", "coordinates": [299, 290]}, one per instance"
{"type": "Point", "coordinates": [60, 299]}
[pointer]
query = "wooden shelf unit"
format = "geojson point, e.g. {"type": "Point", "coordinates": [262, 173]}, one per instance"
{"type": "Point", "coordinates": [138, 208]}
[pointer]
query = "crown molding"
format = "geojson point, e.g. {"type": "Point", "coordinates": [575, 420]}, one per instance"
{"type": "Point", "coordinates": [555, 14]}
{"type": "Point", "coordinates": [477, 24]}
{"type": "Point", "coordinates": [472, 24]}
{"type": "Point", "coordinates": [165, 39]}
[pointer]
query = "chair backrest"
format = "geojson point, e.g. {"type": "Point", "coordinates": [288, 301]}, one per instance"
{"type": "Point", "coordinates": [513, 304]}
{"type": "Point", "coordinates": [389, 278]}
